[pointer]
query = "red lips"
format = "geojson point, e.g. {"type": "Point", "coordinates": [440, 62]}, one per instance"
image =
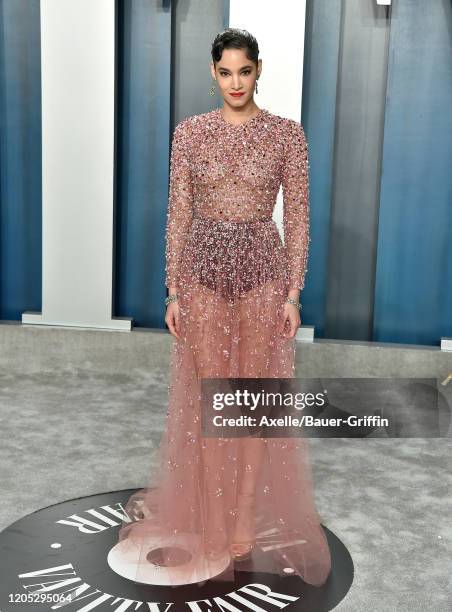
{"type": "Point", "coordinates": [237, 95]}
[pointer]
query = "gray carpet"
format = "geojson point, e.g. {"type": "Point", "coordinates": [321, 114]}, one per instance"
{"type": "Point", "coordinates": [69, 435]}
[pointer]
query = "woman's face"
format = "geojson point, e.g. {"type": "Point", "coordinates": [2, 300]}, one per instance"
{"type": "Point", "coordinates": [236, 73]}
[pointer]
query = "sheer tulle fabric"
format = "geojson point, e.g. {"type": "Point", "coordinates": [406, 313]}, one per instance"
{"type": "Point", "coordinates": [232, 283]}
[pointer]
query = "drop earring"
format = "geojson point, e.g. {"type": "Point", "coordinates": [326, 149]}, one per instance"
{"type": "Point", "coordinates": [212, 89]}
{"type": "Point", "coordinates": [256, 86]}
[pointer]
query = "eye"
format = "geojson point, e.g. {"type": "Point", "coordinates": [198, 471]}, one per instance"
{"type": "Point", "coordinates": [224, 74]}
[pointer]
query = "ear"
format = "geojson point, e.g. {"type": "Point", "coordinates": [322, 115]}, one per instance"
{"type": "Point", "coordinates": [259, 68]}
{"type": "Point", "coordinates": [212, 70]}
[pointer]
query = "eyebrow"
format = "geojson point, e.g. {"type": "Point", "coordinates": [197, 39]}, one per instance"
{"type": "Point", "coordinates": [242, 68]}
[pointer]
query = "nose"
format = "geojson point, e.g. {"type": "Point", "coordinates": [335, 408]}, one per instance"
{"type": "Point", "coordinates": [236, 81]}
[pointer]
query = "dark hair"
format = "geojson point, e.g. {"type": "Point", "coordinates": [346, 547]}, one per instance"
{"type": "Point", "coordinates": [234, 38]}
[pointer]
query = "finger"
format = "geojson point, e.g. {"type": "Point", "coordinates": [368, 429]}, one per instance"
{"type": "Point", "coordinates": [171, 326]}
{"type": "Point", "coordinates": [292, 328]}
{"type": "Point", "coordinates": [282, 324]}
{"type": "Point", "coordinates": [177, 324]}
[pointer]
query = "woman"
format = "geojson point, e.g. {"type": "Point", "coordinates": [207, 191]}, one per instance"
{"type": "Point", "coordinates": [233, 309]}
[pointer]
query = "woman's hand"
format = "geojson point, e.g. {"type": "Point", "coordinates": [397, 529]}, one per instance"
{"type": "Point", "coordinates": [290, 320]}
{"type": "Point", "coordinates": [172, 319]}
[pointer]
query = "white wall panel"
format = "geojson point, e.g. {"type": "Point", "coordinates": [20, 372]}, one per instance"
{"type": "Point", "coordinates": [279, 30]}
{"type": "Point", "coordinates": [78, 139]}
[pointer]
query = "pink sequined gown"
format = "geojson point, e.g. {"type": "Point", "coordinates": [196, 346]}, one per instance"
{"type": "Point", "coordinates": [232, 272]}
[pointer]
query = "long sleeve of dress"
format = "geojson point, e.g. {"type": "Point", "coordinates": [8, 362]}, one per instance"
{"type": "Point", "coordinates": [295, 185]}
{"type": "Point", "coordinates": [180, 203]}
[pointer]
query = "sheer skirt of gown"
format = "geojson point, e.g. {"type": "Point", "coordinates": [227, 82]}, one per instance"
{"type": "Point", "coordinates": [232, 286]}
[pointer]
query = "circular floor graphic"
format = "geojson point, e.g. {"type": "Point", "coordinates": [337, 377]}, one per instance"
{"type": "Point", "coordinates": [66, 557]}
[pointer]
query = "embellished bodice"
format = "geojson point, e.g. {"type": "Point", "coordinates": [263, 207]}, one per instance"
{"type": "Point", "coordinates": [226, 172]}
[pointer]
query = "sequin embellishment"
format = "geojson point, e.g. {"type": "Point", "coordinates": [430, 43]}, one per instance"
{"type": "Point", "coordinates": [232, 272]}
